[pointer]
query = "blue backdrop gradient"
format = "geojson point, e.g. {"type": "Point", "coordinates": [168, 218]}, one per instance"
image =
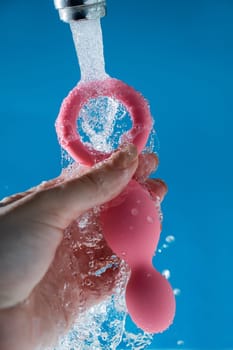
{"type": "Point", "coordinates": [179, 54]}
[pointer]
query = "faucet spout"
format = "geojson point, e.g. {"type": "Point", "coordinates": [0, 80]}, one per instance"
{"type": "Point", "coordinates": [76, 10]}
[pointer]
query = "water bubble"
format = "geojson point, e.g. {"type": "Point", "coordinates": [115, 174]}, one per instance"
{"type": "Point", "coordinates": [137, 341]}
{"type": "Point", "coordinates": [176, 291]}
{"type": "Point", "coordinates": [91, 264]}
{"type": "Point", "coordinates": [134, 212]}
{"type": "Point", "coordinates": [66, 286]}
{"type": "Point", "coordinates": [149, 219]}
{"type": "Point", "coordinates": [180, 342]}
{"type": "Point", "coordinates": [160, 216]}
{"type": "Point", "coordinates": [166, 274]}
{"type": "Point", "coordinates": [104, 335]}
{"type": "Point", "coordinates": [158, 207]}
{"type": "Point", "coordinates": [83, 221]}
{"type": "Point", "coordinates": [103, 269]}
{"type": "Point", "coordinates": [170, 239]}
{"type": "Point", "coordinates": [88, 282]}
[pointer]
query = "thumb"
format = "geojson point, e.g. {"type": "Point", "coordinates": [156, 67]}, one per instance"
{"type": "Point", "coordinates": [62, 204]}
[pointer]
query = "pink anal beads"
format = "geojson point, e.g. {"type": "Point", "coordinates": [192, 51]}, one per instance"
{"type": "Point", "coordinates": [131, 227]}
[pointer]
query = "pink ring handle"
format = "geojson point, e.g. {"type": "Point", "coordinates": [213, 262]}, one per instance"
{"type": "Point", "coordinates": [134, 102]}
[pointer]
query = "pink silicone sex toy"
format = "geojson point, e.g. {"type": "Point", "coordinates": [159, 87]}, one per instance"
{"type": "Point", "coordinates": [131, 227]}
{"type": "Point", "coordinates": [79, 96]}
{"type": "Point", "coordinates": [130, 222]}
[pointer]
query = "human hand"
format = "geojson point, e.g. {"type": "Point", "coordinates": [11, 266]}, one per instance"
{"type": "Point", "coordinates": [48, 266]}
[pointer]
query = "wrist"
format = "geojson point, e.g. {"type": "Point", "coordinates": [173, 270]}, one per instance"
{"type": "Point", "coordinates": [16, 331]}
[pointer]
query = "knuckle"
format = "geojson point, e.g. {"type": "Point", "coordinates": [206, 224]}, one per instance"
{"type": "Point", "coordinates": [94, 181]}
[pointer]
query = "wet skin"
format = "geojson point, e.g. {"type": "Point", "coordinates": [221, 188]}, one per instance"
{"type": "Point", "coordinates": [46, 267]}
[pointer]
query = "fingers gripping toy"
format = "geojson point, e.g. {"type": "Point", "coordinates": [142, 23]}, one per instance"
{"type": "Point", "coordinates": [130, 222]}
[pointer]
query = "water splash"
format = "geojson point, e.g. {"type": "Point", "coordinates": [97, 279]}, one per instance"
{"type": "Point", "coordinates": [153, 144]}
{"type": "Point", "coordinates": [103, 326]}
{"type": "Point", "coordinates": [102, 122]}
{"type": "Point", "coordinates": [66, 159]}
{"type": "Point", "coordinates": [140, 341]}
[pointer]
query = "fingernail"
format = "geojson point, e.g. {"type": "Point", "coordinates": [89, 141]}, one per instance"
{"type": "Point", "coordinates": [163, 183]}
{"type": "Point", "coordinates": [125, 157]}
{"type": "Point", "coordinates": [157, 188]}
{"type": "Point", "coordinates": [163, 188]}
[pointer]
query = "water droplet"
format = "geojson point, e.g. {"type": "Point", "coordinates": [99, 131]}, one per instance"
{"type": "Point", "coordinates": [138, 201]}
{"type": "Point", "coordinates": [180, 342]}
{"type": "Point", "coordinates": [83, 221]}
{"type": "Point", "coordinates": [149, 219]}
{"type": "Point", "coordinates": [91, 264]}
{"type": "Point", "coordinates": [134, 212]}
{"type": "Point", "coordinates": [88, 282]}
{"type": "Point", "coordinates": [176, 291]}
{"type": "Point", "coordinates": [148, 275]}
{"type": "Point", "coordinates": [165, 246]}
{"type": "Point", "coordinates": [170, 239]}
{"type": "Point", "coordinates": [66, 285]}
{"type": "Point", "coordinates": [103, 308]}
{"type": "Point", "coordinates": [166, 274]}
{"type": "Point", "coordinates": [131, 228]}
{"type": "Point", "coordinates": [105, 336]}
{"type": "Point", "coordinates": [159, 250]}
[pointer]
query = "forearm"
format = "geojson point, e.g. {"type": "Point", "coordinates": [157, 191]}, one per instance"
{"type": "Point", "coordinates": [26, 326]}
{"type": "Point", "coordinates": [16, 328]}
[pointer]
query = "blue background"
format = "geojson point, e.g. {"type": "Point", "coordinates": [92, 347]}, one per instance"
{"type": "Point", "coordinates": [179, 54]}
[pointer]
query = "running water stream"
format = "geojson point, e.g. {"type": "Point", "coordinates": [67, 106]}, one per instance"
{"type": "Point", "coordinates": [103, 327]}
{"type": "Point", "coordinates": [88, 42]}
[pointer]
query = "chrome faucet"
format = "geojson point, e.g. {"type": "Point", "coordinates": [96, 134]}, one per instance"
{"type": "Point", "coordinates": [76, 10]}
